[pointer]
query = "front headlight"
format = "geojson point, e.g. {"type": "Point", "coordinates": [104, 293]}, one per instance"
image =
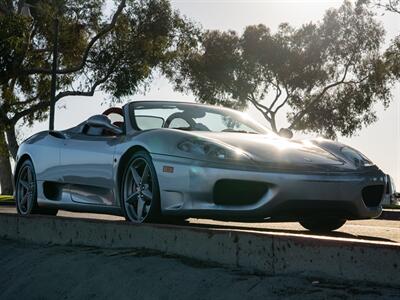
{"type": "Point", "coordinates": [359, 159]}
{"type": "Point", "coordinates": [211, 150]}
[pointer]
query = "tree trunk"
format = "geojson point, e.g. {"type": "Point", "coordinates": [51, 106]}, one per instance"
{"type": "Point", "coordinates": [12, 141]}
{"type": "Point", "coordinates": [5, 167]}
{"type": "Point", "coordinates": [273, 123]}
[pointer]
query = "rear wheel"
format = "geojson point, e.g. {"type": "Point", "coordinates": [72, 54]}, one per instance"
{"type": "Point", "coordinates": [322, 225]}
{"type": "Point", "coordinates": [140, 196]}
{"type": "Point", "coordinates": [26, 192]}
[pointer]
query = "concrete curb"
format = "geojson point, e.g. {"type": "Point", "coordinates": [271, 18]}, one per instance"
{"type": "Point", "coordinates": [262, 252]}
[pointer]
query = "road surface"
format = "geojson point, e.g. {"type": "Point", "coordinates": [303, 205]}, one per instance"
{"type": "Point", "coordinates": [378, 230]}
{"type": "Point", "coordinates": [59, 272]}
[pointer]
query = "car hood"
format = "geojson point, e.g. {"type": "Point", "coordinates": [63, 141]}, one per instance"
{"type": "Point", "coordinates": [274, 150]}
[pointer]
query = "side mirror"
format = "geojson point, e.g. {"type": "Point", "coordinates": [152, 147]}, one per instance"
{"type": "Point", "coordinates": [101, 121]}
{"type": "Point", "coordinates": [286, 133]}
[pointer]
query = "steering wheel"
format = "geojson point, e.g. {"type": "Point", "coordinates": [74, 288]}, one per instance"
{"type": "Point", "coordinates": [117, 111]}
{"type": "Point", "coordinates": [179, 115]}
{"type": "Point", "coordinates": [113, 110]}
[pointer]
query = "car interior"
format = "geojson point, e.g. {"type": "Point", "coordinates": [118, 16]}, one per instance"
{"type": "Point", "coordinates": [112, 117]}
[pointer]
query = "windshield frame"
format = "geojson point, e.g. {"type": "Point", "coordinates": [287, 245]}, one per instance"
{"type": "Point", "coordinates": [242, 117]}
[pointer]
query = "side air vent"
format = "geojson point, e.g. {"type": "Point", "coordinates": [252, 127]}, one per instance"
{"type": "Point", "coordinates": [52, 190]}
{"type": "Point", "coordinates": [372, 195]}
{"type": "Point", "coordinates": [238, 192]}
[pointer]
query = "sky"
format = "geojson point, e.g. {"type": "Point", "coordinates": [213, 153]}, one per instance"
{"type": "Point", "coordinates": [380, 141]}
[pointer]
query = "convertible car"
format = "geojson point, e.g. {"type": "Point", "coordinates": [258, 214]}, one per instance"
{"type": "Point", "coordinates": [161, 161]}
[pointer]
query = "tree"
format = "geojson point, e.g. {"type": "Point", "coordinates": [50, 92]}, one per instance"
{"type": "Point", "coordinates": [115, 53]}
{"type": "Point", "coordinates": [329, 74]}
{"type": "Point", "coordinates": [392, 54]}
{"type": "Point", "coordinates": [5, 168]}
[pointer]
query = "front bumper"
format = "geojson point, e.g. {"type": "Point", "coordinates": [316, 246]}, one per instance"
{"type": "Point", "coordinates": [189, 191]}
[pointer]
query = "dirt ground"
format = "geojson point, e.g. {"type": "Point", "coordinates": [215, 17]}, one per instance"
{"type": "Point", "coordinates": [29, 271]}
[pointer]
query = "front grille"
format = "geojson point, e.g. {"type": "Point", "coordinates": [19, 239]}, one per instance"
{"type": "Point", "coordinates": [238, 192]}
{"type": "Point", "coordinates": [372, 195]}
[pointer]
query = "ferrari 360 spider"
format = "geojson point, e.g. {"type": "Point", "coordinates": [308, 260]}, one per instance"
{"type": "Point", "coordinates": [157, 161]}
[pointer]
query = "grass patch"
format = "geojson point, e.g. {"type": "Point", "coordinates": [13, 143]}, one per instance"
{"type": "Point", "coordinates": [392, 206]}
{"type": "Point", "coordinates": [6, 198]}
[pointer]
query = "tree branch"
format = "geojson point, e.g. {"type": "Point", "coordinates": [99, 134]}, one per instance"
{"type": "Point", "coordinates": [302, 113]}
{"type": "Point", "coordinates": [45, 104]}
{"type": "Point", "coordinates": [392, 6]}
{"type": "Point", "coordinates": [284, 101]}
{"type": "Point", "coordinates": [85, 93]}
{"type": "Point", "coordinates": [278, 94]}
{"type": "Point", "coordinates": [106, 29]}
{"type": "Point", "coordinates": [28, 101]}
{"type": "Point", "coordinates": [255, 102]}
{"type": "Point", "coordinates": [259, 107]}
{"type": "Point", "coordinates": [32, 109]}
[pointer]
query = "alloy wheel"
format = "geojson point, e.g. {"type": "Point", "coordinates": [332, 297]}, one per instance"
{"type": "Point", "coordinates": [138, 190]}
{"type": "Point", "coordinates": [26, 189]}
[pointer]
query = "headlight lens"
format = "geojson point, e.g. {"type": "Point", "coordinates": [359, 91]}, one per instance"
{"type": "Point", "coordinates": [211, 150]}
{"type": "Point", "coordinates": [359, 159]}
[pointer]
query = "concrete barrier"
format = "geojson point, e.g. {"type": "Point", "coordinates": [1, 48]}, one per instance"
{"type": "Point", "coordinates": [268, 253]}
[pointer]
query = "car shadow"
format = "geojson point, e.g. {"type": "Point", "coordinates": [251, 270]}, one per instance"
{"type": "Point", "coordinates": [390, 215]}
{"type": "Point", "coordinates": [335, 234]}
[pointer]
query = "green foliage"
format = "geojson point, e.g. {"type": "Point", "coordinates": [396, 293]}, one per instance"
{"type": "Point", "coordinates": [330, 73]}
{"type": "Point", "coordinates": [392, 56]}
{"type": "Point", "coordinates": [30, 46]}
{"type": "Point", "coordinates": [147, 34]}
{"type": "Point", "coordinates": [12, 37]}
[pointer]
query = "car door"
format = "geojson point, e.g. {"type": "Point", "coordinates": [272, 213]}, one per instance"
{"type": "Point", "coordinates": [87, 166]}
{"type": "Point", "coordinates": [45, 152]}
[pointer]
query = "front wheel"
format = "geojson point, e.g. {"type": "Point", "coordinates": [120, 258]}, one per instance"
{"type": "Point", "coordinates": [322, 225]}
{"type": "Point", "coordinates": [140, 196]}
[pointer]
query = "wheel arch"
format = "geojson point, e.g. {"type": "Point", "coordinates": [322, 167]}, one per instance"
{"type": "Point", "coordinates": [21, 160]}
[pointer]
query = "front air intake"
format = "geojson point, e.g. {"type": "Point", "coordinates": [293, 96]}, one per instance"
{"type": "Point", "coordinates": [238, 192]}
{"type": "Point", "coordinates": [372, 195]}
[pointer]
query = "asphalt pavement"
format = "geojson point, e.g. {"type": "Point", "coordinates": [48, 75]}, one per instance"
{"type": "Point", "coordinates": [58, 272]}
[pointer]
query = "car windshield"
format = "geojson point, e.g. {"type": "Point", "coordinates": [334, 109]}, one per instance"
{"type": "Point", "coordinates": [192, 117]}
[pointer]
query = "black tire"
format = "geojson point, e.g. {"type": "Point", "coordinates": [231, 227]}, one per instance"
{"type": "Point", "coordinates": [322, 225]}
{"type": "Point", "coordinates": [150, 210]}
{"type": "Point", "coordinates": [27, 187]}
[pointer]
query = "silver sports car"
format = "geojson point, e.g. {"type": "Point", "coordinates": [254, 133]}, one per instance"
{"type": "Point", "coordinates": [160, 161]}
